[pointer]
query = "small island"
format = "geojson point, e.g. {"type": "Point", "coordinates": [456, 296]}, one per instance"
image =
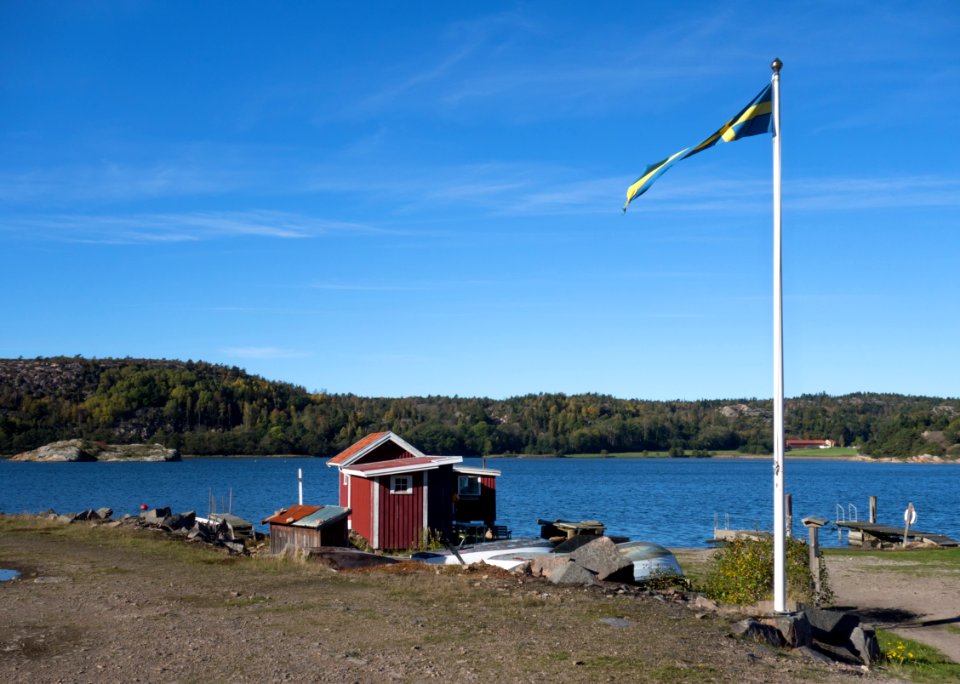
{"type": "Point", "coordinates": [75, 450]}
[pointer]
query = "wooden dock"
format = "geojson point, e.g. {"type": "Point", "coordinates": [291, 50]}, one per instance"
{"type": "Point", "coordinates": [872, 534]}
{"type": "Point", "coordinates": [724, 535]}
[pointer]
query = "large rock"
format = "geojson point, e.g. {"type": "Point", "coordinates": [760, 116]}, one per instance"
{"type": "Point", "coordinates": [155, 516]}
{"type": "Point", "coordinates": [864, 642]}
{"type": "Point", "coordinates": [179, 521]}
{"type": "Point", "coordinates": [65, 451]}
{"type": "Point", "coordinates": [545, 566]}
{"type": "Point", "coordinates": [137, 452]}
{"type": "Point", "coordinates": [602, 558]}
{"type": "Point", "coordinates": [831, 626]}
{"type": "Point", "coordinates": [571, 573]}
{"type": "Point", "coordinates": [794, 627]}
{"type": "Point", "coordinates": [72, 450]}
{"type": "Point", "coordinates": [841, 636]}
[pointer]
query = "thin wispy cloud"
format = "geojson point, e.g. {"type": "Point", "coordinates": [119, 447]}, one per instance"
{"type": "Point", "coordinates": [518, 189]}
{"type": "Point", "coordinates": [872, 193]}
{"type": "Point", "coordinates": [175, 227]}
{"type": "Point", "coordinates": [117, 181]}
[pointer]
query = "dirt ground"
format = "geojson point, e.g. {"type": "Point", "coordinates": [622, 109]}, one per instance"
{"type": "Point", "coordinates": [888, 593]}
{"type": "Point", "coordinates": [126, 605]}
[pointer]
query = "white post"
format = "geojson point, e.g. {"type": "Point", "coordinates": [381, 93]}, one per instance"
{"type": "Point", "coordinates": [779, 527]}
{"type": "Point", "coordinates": [300, 483]}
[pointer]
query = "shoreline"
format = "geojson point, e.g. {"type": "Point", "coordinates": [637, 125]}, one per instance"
{"type": "Point", "coordinates": [923, 459]}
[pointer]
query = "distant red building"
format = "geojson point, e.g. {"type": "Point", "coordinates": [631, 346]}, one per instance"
{"type": "Point", "coordinates": [810, 443]}
{"type": "Point", "coordinates": [397, 494]}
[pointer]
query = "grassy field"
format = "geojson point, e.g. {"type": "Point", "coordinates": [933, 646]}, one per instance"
{"type": "Point", "coordinates": [835, 452]}
{"type": "Point", "coordinates": [914, 661]}
{"type": "Point", "coordinates": [920, 562]}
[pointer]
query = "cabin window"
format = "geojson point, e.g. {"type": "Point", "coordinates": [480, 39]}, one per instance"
{"type": "Point", "coordinates": [400, 484]}
{"type": "Point", "coordinates": [468, 485]}
{"type": "Point", "coordinates": [346, 479]}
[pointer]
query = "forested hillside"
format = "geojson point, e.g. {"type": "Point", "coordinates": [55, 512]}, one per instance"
{"type": "Point", "coordinates": [202, 408]}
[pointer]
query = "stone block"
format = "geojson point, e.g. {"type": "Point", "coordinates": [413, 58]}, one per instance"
{"type": "Point", "coordinates": [155, 515]}
{"type": "Point", "coordinates": [864, 642]}
{"type": "Point", "coordinates": [794, 627]}
{"type": "Point", "coordinates": [831, 626]}
{"type": "Point", "coordinates": [753, 630]}
{"type": "Point", "coordinates": [573, 574]}
{"type": "Point", "coordinates": [602, 558]}
{"type": "Point", "coordinates": [545, 566]}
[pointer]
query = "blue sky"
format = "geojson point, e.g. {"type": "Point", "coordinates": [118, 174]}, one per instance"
{"type": "Point", "coordinates": [399, 199]}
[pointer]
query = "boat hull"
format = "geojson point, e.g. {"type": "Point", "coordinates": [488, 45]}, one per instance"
{"type": "Point", "coordinates": [477, 553]}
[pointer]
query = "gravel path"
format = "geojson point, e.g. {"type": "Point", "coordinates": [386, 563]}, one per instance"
{"type": "Point", "coordinates": [889, 594]}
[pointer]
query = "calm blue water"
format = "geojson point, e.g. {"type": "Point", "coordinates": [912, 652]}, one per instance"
{"type": "Point", "coordinates": [670, 501]}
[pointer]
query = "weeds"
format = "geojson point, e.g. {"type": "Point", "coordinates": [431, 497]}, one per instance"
{"type": "Point", "coordinates": [742, 573]}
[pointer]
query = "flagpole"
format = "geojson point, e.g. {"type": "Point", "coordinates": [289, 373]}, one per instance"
{"type": "Point", "coordinates": [779, 528]}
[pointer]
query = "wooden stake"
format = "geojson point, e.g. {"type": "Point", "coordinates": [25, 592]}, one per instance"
{"type": "Point", "coordinates": [815, 561]}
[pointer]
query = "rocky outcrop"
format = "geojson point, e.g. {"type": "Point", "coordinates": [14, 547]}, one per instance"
{"type": "Point", "coordinates": [591, 562]}
{"type": "Point", "coordinates": [73, 450]}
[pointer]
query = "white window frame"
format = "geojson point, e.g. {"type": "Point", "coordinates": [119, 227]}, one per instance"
{"type": "Point", "coordinates": [463, 491]}
{"type": "Point", "coordinates": [394, 479]}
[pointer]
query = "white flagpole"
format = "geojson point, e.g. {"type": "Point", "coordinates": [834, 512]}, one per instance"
{"type": "Point", "coordinates": [779, 528]}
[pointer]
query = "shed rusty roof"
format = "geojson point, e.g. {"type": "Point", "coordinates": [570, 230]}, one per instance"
{"type": "Point", "coordinates": [307, 516]}
{"type": "Point", "coordinates": [288, 516]}
{"type": "Point", "coordinates": [326, 514]}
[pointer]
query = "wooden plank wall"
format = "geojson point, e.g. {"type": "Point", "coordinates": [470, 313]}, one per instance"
{"type": "Point", "coordinates": [401, 515]}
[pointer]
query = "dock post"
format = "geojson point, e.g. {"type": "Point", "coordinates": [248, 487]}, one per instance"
{"type": "Point", "coordinates": [789, 509]}
{"type": "Point", "coordinates": [815, 562]}
{"type": "Point", "coordinates": [873, 510]}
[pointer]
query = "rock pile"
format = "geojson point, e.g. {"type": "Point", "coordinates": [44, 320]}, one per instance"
{"type": "Point", "coordinates": [826, 635]}
{"type": "Point", "coordinates": [185, 525]}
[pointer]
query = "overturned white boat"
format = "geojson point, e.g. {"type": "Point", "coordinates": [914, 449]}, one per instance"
{"type": "Point", "coordinates": [650, 560]}
{"type": "Point", "coordinates": [483, 552]}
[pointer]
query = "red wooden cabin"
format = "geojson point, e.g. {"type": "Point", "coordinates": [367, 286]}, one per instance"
{"type": "Point", "coordinates": [397, 494]}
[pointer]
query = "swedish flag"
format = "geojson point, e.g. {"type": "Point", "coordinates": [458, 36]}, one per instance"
{"type": "Point", "coordinates": [754, 119]}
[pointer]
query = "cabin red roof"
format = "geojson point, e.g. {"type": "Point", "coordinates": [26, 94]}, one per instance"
{"type": "Point", "coordinates": [355, 448]}
{"type": "Point", "coordinates": [401, 465]}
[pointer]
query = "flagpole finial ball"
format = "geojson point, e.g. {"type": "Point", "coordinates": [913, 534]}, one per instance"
{"type": "Point", "coordinates": [776, 64]}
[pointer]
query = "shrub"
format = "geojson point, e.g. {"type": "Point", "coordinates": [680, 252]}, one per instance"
{"type": "Point", "coordinates": [742, 573]}
{"type": "Point", "coordinates": [429, 540]}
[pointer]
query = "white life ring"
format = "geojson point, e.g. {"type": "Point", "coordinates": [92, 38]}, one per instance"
{"type": "Point", "coordinates": [910, 515]}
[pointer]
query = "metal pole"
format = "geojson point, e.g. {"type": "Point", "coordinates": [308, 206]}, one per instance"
{"type": "Point", "coordinates": [779, 544]}
{"type": "Point", "coordinates": [300, 483]}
